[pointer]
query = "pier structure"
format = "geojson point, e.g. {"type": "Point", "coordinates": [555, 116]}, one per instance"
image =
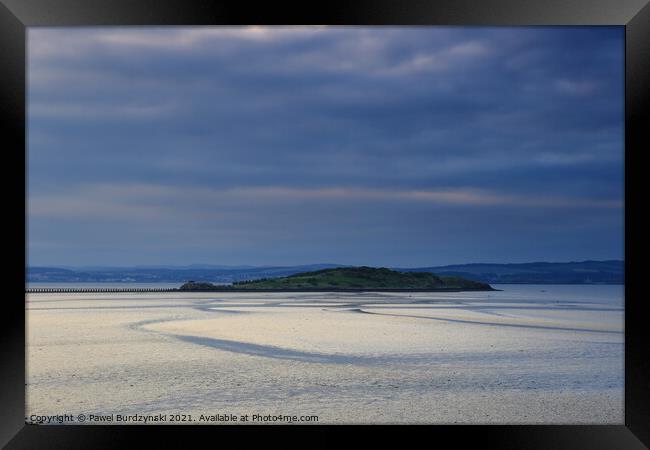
{"type": "Point", "coordinates": [74, 290]}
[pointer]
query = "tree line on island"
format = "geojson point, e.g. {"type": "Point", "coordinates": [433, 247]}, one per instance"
{"type": "Point", "coordinates": [350, 278]}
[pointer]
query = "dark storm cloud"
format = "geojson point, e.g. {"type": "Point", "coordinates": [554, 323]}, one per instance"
{"type": "Point", "coordinates": [395, 146]}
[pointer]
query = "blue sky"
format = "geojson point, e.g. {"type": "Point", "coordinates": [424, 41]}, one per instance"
{"type": "Point", "coordinates": [394, 146]}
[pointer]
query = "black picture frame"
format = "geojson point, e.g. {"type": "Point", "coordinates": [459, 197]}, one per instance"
{"type": "Point", "coordinates": [634, 15]}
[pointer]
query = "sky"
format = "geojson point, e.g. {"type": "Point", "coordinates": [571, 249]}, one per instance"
{"type": "Point", "coordinates": [381, 146]}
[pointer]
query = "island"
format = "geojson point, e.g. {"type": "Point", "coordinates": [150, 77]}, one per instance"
{"type": "Point", "coordinates": [350, 279]}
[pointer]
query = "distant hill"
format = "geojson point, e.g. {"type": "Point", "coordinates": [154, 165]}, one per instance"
{"type": "Point", "coordinates": [361, 278]}
{"type": "Point", "coordinates": [585, 272]}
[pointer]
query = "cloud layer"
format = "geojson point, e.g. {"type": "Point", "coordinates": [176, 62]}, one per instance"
{"type": "Point", "coordinates": [362, 145]}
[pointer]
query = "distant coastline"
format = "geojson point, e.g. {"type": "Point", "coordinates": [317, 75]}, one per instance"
{"type": "Point", "coordinates": [582, 272]}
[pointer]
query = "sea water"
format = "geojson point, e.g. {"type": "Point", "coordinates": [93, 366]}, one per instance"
{"type": "Point", "coordinates": [525, 354]}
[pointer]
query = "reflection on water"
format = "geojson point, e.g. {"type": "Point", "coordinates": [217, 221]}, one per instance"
{"type": "Point", "coordinates": [526, 354]}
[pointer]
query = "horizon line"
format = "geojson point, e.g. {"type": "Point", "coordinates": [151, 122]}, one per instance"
{"type": "Point", "coordinates": [250, 266]}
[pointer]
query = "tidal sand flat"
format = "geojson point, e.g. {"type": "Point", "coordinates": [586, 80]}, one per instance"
{"type": "Point", "coordinates": [527, 354]}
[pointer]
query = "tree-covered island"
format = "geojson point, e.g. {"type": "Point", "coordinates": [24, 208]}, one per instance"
{"type": "Point", "coordinates": [349, 279]}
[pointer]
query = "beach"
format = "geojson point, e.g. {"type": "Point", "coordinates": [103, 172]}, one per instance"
{"type": "Point", "coordinates": [523, 355]}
